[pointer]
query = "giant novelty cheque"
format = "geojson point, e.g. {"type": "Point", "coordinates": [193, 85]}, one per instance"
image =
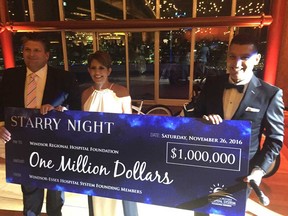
{"type": "Point", "coordinates": [170, 161]}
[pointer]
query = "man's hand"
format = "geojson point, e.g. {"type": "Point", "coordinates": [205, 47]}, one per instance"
{"type": "Point", "coordinates": [46, 108]}
{"type": "Point", "coordinates": [61, 108]}
{"type": "Point", "coordinates": [256, 175]}
{"type": "Point", "coordinates": [5, 135]}
{"type": "Point", "coordinates": [213, 118]}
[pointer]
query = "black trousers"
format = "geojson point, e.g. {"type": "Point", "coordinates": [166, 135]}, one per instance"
{"type": "Point", "coordinates": [129, 207]}
{"type": "Point", "coordinates": [33, 200]}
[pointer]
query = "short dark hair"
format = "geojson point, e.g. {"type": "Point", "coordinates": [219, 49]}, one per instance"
{"type": "Point", "coordinates": [102, 57]}
{"type": "Point", "coordinates": [35, 36]}
{"type": "Point", "coordinates": [243, 39]}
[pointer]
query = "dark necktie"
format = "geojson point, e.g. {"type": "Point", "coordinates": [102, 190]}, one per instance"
{"type": "Point", "coordinates": [239, 88]}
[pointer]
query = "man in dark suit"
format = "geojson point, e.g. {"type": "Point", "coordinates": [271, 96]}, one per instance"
{"type": "Point", "coordinates": [240, 95]}
{"type": "Point", "coordinates": [55, 89]}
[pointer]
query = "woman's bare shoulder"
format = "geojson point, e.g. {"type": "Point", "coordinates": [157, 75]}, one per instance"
{"type": "Point", "coordinates": [85, 94]}
{"type": "Point", "coordinates": [120, 91]}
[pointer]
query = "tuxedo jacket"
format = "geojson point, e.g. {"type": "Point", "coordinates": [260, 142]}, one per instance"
{"type": "Point", "coordinates": [61, 88]}
{"type": "Point", "coordinates": [262, 105]}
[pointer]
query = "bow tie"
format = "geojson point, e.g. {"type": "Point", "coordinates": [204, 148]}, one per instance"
{"type": "Point", "coordinates": [239, 88]}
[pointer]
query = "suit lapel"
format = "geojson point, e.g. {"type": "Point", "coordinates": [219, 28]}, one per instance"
{"type": "Point", "coordinates": [249, 96]}
{"type": "Point", "coordinates": [216, 89]}
{"type": "Point", "coordinates": [48, 85]}
{"type": "Point", "coordinates": [218, 105]}
{"type": "Point", "coordinates": [19, 81]}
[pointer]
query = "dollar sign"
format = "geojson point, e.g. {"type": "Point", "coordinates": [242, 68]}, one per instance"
{"type": "Point", "coordinates": [174, 155]}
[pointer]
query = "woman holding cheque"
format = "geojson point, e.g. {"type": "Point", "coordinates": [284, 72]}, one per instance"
{"type": "Point", "coordinates": [104, 96]}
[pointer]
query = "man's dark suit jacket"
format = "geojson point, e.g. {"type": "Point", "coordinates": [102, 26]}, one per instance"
{"type": "Point", "coordinates": [262, 105]}
{"type": "Point", "coordinates": [61, 88]}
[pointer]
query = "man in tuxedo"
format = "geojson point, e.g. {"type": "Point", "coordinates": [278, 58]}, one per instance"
{"type": "Point", "coordinates": [240, 95]}
{"type": "Point", "coordinates": [54, 88]}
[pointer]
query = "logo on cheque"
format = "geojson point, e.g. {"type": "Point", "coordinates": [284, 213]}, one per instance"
{"type": "Point", "coordinates": [219, 196]}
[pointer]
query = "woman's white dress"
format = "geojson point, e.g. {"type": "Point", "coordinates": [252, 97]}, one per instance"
{"type": "Point", "coordinates": [107, 101]}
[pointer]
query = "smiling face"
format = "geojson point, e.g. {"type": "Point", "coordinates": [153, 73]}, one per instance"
{"type": "Point", "coordinates": [99, 74]}
{"type": "Point", "coordinates": [241, 60]}
{"type": "Point", "coordinates": [34, 54]}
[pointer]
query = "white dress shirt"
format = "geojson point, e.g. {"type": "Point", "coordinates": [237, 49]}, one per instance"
{"type": "Point", "coordinates": [232, 98]}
